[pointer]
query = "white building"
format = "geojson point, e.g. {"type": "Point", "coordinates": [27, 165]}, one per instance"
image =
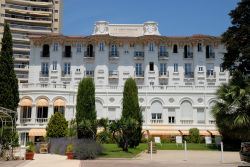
{"type": "Point", "coordinates": [177, 77]}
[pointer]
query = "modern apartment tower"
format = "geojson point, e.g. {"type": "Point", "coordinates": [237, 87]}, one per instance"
{"type": "Point", "coordinates": [29, 18]}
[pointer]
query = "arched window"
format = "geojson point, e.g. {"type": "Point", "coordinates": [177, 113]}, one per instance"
{"type": "Point", "coordinates": [113, 52]}
{"type": "Point", "coordinates": [59, 106]}
{"type": "Point", "coordinates": [175, 49]}
{"type": "Point", "coordinates": [185, 51]}
{"type": "Point", "coordinates": [210, 115]}
{"type": "Point", "coordinates": [186, 111]}
{"type": "Point", "coordinates": [42, 110]}
{"type": "Point", "coordinates": [90, 52]}
{"type": "Point", "coordinates": [156, 112]}
{"type": "Point", "coordinates": [25, 112]}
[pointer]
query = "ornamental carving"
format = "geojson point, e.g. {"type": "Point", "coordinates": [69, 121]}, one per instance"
{"type": "Point", "coordinates": [101, 27]}
{"type": "Point", "coordinates": [150, 28]}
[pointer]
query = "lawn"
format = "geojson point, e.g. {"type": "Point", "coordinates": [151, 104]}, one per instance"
{"type": "Point", "coordinates": [112, 151]}
{"type": "Point", "coordinates": [190, 146]}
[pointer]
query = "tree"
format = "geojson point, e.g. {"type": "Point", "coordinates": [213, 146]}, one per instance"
{"type": "Point", "coordinates": [232, 111]}
{"type": "Point", "coordinates": [9, 95]}
{"type": "Point", "coordinates": [85, 109]}
{"type": "Point", "coordinates": [194, 135]}
{"type": "Point", "coordinates": [57, 126]}
{"type": "Point", "coordinates": [129, 127]}
{"type": "Point", "coordinates": [237, 39]}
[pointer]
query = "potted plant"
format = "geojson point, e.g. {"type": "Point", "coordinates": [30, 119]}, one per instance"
{"type": "Point", "coordinates": [69, 151]}
{"type": "Point", "coordinates": [30, 151]}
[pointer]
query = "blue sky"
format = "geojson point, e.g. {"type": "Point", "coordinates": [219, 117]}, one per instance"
{"type": "Point", "coordinates": [175, 17]}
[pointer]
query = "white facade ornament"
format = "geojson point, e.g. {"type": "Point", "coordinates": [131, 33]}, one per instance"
{"type": "Point", "coordinates": [101, 28]}
{"type": "Point", "coordinates": [150, 28]}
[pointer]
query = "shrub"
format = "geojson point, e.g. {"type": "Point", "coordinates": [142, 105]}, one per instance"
{"type": "Point", "coordinates": [57, 126]}
{"type": "Point", "coordinates": [30, 147]}
{"type": "Point", "coordinates": [104, 137]}
{"type": "Point", "coordinates": [194, 135]}
{"type": "Point", "coordinates": [69, 148]}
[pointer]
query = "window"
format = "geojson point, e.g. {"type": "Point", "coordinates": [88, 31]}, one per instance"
{"type": "Point", "coordinates": [200, 69]}
{"type": "Point", "coordinates": [90, 52]}
{"type": "Point", "coordinates": [221, 68]}
{"type": "Point", "coordinates": [151, 47]}
{"type": "Point", "coordinates": [54, 65]}
{"type": "Point", "coordinates": [188, 52]}
{"type": "Point", "coordinates": [163, 69]}
{"type": "Point", "coordinates": [151, 66]}
{"type": "Point", "coordinates": [24, 138]}
{"type": "Point", "coordinates": [26, 112]}
{"type": "Point", "coordinates": [55, 46]}
{"type": "Point", "coordinates": [188, 68]}
{"type": "Point", "coordinates": [67, 52]}
{"type": "Point", "coordinates": [67, 68]}
{"type": "Point", "coordinates": [42, 112]}
{"type": "Point", "coordinates": [175, 49]}
{"type": "Point", "coordinates": [200, 116]}
{"type": "Point", "coordinates": [199, 47]}
{"type": "Point", "coordinates": [60, 109]}
{"type": "Point", "coordinates": [163, 49]}
{"type": "Point", "coordinates": [114, 52]}
{"type": "Point", "coordinates": [156, 116]}
{"type": "Point", "coordinates": [78, 48]}
{"type": "Point", "coordinates": [151, 83]}
{"type": "Point", "coordinates": [138, 69]}
{"type": "Point", "coordinates": [45, 52]}
{"type": "Point", "coordinates": [210, 69]}
{"type": "Point", "coordinates": [175, 67]}
{"type": "Point", "coordinates": [171, 115]}
{"type": "Point", "coordinates": [101, 46]}
{"type": "Point", "coordinates": [56, 11]}
{"type": "Point", "coordinates": [56, 20]}
{"type": "Point", "coordinates": [209, 52]}
{"type": "Point", "coordinates": [45, 68]}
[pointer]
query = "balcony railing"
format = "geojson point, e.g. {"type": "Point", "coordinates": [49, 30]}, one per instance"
{"type": "Point", "coordinates": [139, 74]}
{"type": "Point", "coordinates": [67, 54]}
{"type": "Point", "coordinates": [44, 54]}
{"type": "Point", "coordinates": [156, 121]}
{"type": "Point", "coordinates": [138, 55]}
{"type": "Point", "coordinates": [211, 74]}
{"type": "Point", "coordinates": [29, 27]}
{"type": "Point", "coordinates": [189, 74]}
{"type": "Point", "coordinates": [44, 74]}
{"type": "Point", "coordinates": [186, 122]}
{"type": "Point", "coordinates": [163, 74]}
{"type": "Point", "coordinates": [113, 54]}
{"type": "Point", "coordinates": [188, 55]}
{"type": "Point", "coordinates": [66, 73]}
{"type": "Point", "coordinates": [162, 55]}
{"type": "Point", "coordinates": [89, 54]}
{"type": "Point", "coordinates": [41, 120]}
{"type": "Point", "coordinates": [113, 74]}
{"type": "Point", "coordinates": [24, 66]}
{"type": "Point", "coordinates": [21, 46]}
{"type": "Point", "coordinates": [24, 17]}
{"type": "Point", "coordinates": [28, 8]}
{"type": "Point", "coordinates": [210, 55]}
{"type": "Point", "coordinates": [89, 73]}
{"type": "Point", "coordinates": [25, 120]}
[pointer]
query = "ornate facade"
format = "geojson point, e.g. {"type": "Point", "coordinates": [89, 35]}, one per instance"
{"type": "Point", "coordinates": [176, 76]}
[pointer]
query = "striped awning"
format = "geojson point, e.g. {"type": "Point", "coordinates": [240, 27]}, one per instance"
{"type": "Point", "coordinates": [37, 132]}
{"type": "Point", "coordinates": [59, 103]}
{"type": "Point", "coordinates": [164, 133]}
{"type": "Point", "coordinates": [42, 103]}
{"type": "Point", "coordinates": [184, 132]}
{"type": "Point", "coordinates": [26, 102]}
{"type": "Point", "coordinates": [204, 133]}
{"type": "Point", "coordinates": [215, 132]}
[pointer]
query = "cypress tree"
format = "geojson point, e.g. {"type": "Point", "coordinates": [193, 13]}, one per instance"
{"type": "Point", "coordinates": [131, 112]}
{"type": "Point", "coordinates": [57, 126]}
{"type": "Point", "coordinates": [85, 109]}
{"type": "Point", "coordinates": [9, 95]}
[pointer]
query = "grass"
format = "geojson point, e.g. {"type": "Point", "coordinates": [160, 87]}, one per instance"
{"type": "Point", "coordinates": [112, 151]}
{"type": "Point", "coordinates": [190, 146]}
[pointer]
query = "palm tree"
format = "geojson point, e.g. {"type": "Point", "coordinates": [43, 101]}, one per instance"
{"type": "Point", "coordinates": [232, 111]}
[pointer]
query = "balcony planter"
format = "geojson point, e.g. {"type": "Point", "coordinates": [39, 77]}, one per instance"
{"type": "Point", "coordinates": [69, 151]}
{"type": "Point", "coordinates": [245, 151]}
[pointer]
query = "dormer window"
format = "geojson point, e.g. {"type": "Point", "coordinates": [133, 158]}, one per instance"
{"type": "Point", "coordinates": [67, 51]}
{"type": "Point", "coordinates": [175, 49]}
{"type": "Point", "coordinates": [199, 47]}
{"type": "Point", "coordinates": [90, 51]}
{"type": "Point", "coordinates": [114, 52]}
{"type": "Point", "coordinates": [151, 47]}
{"type": "Point", "coordinates": [188, 52]}
{"type": "Point", "coordinates": [45, 51]}
{"type": "Point", "coordinates": [209, 52]}
{"type": "Point", "coordinates": [101, 46]}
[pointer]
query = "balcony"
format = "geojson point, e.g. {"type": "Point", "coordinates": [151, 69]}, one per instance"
{"type": "Point", "coordinates": [163, 74]}
{"type": "Point", "coordinates": [41, 121]}
{"type": "Point", "coordinates": [44, 54]}
{"type": "Point", "coordinates": [162, 55]}
{"type": "Point", "coordinates": [138, 55]}
{"type": "Point", "coordinates": [31, 2]}
{"type": "Point", "coordinates": [44, 76]}
{"type": "Point", "coordinates": [21, 67]}
{"type": "Point", "coordinates": [113, 74]}
{"type": "Point", "coordinates": [139, 74]}
{"type": "Point", "coordinates": [25, 120]}
{"type": "Point", "coordinates": [188, 55]}
{"type": "Point", "coordinates": [189, 75]}
{"type": "Point", "coordinates": [29, 28]}
{"type": "Point", "coordinates": [210, 55]}
{"type": "Point", "coordinates": [186, 122]}
{"type": "Point", "coordinates": [156, 121]}
{"type": "Point", "coordinates": [113, 54]}
{"type": "Point", "coordinates": [25, 18]}
{"type": "Point", "coordinates": [67, 54]}
{"type": "Point", "coordinates": [89, 73]}
{"type": "Point", "coordinates": [66, 74]}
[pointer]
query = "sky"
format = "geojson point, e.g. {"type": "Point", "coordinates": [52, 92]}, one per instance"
{"type": "Point", "coordinates": [174, 17]}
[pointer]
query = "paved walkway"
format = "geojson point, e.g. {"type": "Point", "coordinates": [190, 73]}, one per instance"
{"type": "Point", "coordinates": [161, 159]}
